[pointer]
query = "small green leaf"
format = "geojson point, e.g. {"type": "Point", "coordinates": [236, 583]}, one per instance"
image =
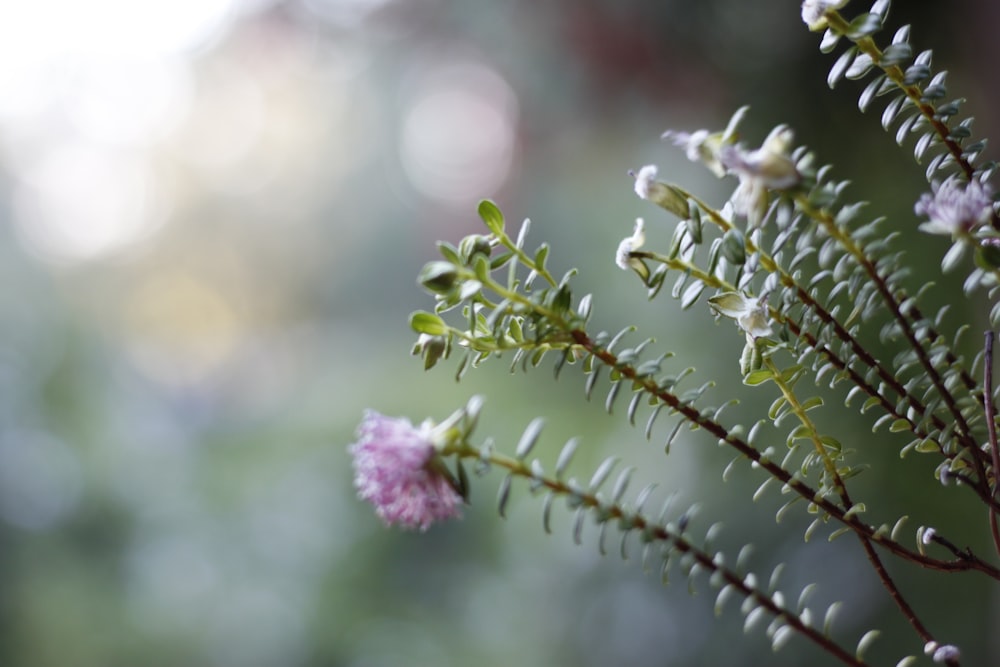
{"type": "Point", "coordinates": [988, 256]}
{"type": "Point", "coordinates": [837, 533]}
{"type": "Point", "coordinates": [864, 25]}
{"type": "Point", "coordinates": [757, 377]}
{"type": "Point", "coordinates": [899, 425]}
{"type": "Point", "coordinates": [602, 473]}
{"type": "Point", "coordinates": [840, 66]}
{"type": "Point", "coordinates": [781, 637]}
{"type": "Point", "coordinates": [776, 407]}
{"type": "Point", "coordinates": [439, 277]}
{"type": "Point", "coordinates": [734, 247]}
{"type": "Point", "coordinates": [753, 618]}
{"type": "Point", "coordinates": [492, 216]}
{"type": "Point", "coordinates": [529, 438]}
{"type": "Point", "coordinates": [870, 403]}
{"type": "Point", "coordinates": [896, 54]}
{"type": "Point", "coordinates": [866, 641]}
{"type": "Point", "coordinates": [428, 323]}
{"type": "Point", "coordinates": [801, 432]}
{"type": "Point", "coordinates": [503, 496]}
{"type": "Point", "coordinates": [830, 616]}
{"type": "Point", "coordinates": [541, 256]}
{"type": "Point", "coordinates": [565, 456]}
{"type": "Point", "coordinates": [811, 403]}
{"type": "Point", "coordinates": [894, 535]}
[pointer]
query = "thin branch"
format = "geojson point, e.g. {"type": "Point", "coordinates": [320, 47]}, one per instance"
{"type": "Point", "coordinates": [992, 428]}
{"type": "Point", "coordinates": [633, 520]}
{"type": "Point", "coordinates": [964, 559]}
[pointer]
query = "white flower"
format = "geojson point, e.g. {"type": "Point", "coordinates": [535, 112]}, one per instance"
{"type": "Point", "coordinates": [751, 314]}
{"type": "Point", "coordinates": [766, 168]}
{"type": "Point", "coordinates": [813, 12]}
{"type": "Point", "coordinates": [623, 258]}
{"type": "Point", "coordinates": [770, 164]}
{"type": "Point", "coordinates": [699, 146]}
{"type": "Point", "coordinates": [928, 536]}
{"type": "Point", "coordinates": [703, 146]}
{"type": "Point", "coordinates": [665, 196]}
{"type": "Point", "coordinates": [953, 209]}
{"type": "Point", "coordinates": [645, 181]}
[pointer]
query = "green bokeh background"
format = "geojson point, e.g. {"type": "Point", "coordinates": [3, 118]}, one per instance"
{"type": "Point", "coordinates": [174, 485]}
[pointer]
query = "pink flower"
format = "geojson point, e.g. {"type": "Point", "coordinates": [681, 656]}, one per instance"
{"type": "Point", "coordinates": [954, 208]}
{"type": "Point", "coordinates": [394, 470]}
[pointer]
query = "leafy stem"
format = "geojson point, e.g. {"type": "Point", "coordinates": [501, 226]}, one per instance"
{"type": "Point", "coordinates": [809, 430]}
{"type": "Point", "coordinates": [894, 305]}
{"type": "Point", "coordinates": [673, 537]}
{"type": "Point", "coordinates": [558, 328]}
{"type": "Point", "coordinates": [914, 92]}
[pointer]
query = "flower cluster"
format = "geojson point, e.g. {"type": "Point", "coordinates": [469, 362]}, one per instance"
{"type": "Point", "coordinates": [396, 469]}
{"type": "Point", "coordinates": [760, 170]}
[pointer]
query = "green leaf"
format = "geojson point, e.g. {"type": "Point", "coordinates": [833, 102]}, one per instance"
{"type": "Point", "coordinates": [439, 277]}
{"type": "Point", "coordinates": [840, 66]}
{"type": "Point", "coordinates": [529, 438]}
{"type": "Point", "coordinates": [428, 323]}
{"type": "Point", "coordinates": [896, 54]}
{"type": "Point", "coordinates": [757, 377]}
{"type": "Point", "coordinates": [540, 257]}
{"type": "Point", "coordinates": [776, 407]}
{"type": "Point", "coordinates": [811, 403]}
{"type": "Point", "coordinates": [988, 256]}
{"type": "Point", "coordinates": [492, 216]}
{"type": "Point", "coordinates": [565, 456]}
{"type": "Point", "coordinates": [801, 432]}
{"type": "Point", "coordinates": [503, 496]}
{"type": "Point", "coordinates": [830, 616]}
{"type": "Point", "coordinates": [894, 535]}
{"type": "Point", "coordinates": [865, 643]}
{"type": "Point", "coordinates": [734, 247]}
{"type": "Point", "coordinates": [870, 403]}
{"type": "Point", "coordinates": [899, 425]}
{"type": "Point", "coordinates": [864, 25]}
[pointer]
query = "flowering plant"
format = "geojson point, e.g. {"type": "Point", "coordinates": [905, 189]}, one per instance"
{"type": "Point", "coordinates": [804, 278]}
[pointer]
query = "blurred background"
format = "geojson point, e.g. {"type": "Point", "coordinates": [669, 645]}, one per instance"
{"type": "Point", "coordinates": [213, 213]}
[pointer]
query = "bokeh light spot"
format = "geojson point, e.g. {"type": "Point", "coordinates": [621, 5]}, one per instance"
{"type": "Point", "coordinates": [458, 136]}
{"type": "Point", "coordinates": [180, 329]}
{"type": "Point", "coordinates": [79, 202]}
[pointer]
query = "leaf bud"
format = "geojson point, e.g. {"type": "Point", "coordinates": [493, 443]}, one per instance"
{"type": "Point", "coordinates": [439, 277]}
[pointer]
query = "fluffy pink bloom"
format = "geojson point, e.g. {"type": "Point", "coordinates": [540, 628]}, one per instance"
{"type": "Point", "coordinates": [393, 471]}
{"type": "Point", "coordinates": [953, 207]}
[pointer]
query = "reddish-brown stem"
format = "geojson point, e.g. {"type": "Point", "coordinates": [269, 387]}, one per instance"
{"type": "Point", "coordinates": [964, 561]}
{"type": "Point", "coordinates": [992, 429]}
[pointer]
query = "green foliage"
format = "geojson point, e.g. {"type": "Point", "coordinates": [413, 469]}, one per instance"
{"type": "Point", "coordinates": [804, 274]}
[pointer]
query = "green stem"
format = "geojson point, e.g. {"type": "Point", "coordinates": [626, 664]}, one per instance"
{"type": "Point", "coordinates": [828, 463]}
{"type": "Point", "coordinates": [841, 489]}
